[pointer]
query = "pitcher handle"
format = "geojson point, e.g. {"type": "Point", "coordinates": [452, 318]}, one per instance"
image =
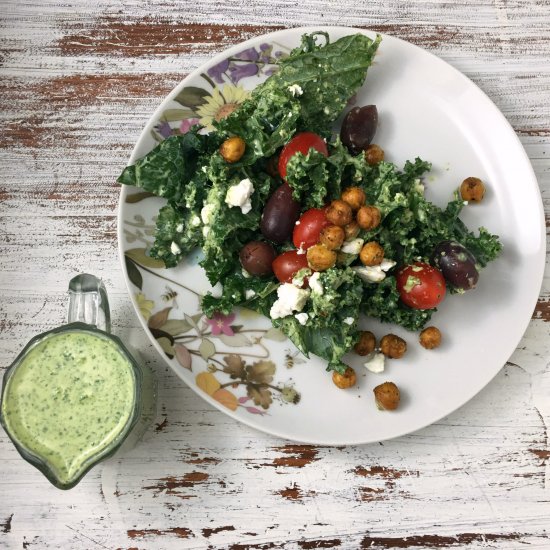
{"type": "Point", "coordinates": [88, 302]}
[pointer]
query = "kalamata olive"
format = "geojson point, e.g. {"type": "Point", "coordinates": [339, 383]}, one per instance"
{"type": "Point", "coordinates": [256, 257]}
{"type": "Point", "coordinates": [457, 264]}
{"type": "Point", "coordinates": [359, 127]}
{"type": "Point", "coordinates": [279, 215]}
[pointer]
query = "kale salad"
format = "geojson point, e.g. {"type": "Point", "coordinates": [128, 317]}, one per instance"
{"type": "Point", "coordinates": [304, 222]}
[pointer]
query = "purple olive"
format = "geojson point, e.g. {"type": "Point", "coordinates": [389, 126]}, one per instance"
{"type": "Point", "coordinates": [359, 127]}
{"type": "Point", "coordinates": [256, 257]}
{"type": "Point", "coordinates": [457, 264]}
{"type": "Point", "coordinates": [279, 215]}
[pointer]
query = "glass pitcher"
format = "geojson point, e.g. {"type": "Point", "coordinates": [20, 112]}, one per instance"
{"type": "Point", "coordinates": [75, 394]}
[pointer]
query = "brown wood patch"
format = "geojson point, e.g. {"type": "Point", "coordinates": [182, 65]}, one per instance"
{"type": "Point", "coordinates": [435, 541]}
{"type": "Point", "coordinates": [180, 532]}
{"type": "Point", "coordinates": [153, 36]}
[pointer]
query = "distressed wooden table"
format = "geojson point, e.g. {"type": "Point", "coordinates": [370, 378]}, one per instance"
{"type": "Point", "coordinates": [79, 81]}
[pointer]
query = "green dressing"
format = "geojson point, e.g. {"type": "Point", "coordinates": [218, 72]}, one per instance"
{"type": "Point", "coordinates": [72, 395]}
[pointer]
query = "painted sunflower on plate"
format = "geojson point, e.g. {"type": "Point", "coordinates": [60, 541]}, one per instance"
{"type": "Point", "coordinates": [220, 104]}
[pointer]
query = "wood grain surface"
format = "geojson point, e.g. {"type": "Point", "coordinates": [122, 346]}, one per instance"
{"type": "Point", "coordinates": [78, 82]}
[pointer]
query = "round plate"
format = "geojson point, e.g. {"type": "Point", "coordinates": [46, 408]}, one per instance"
{"type": "Point", "coordinates": [247, 369]}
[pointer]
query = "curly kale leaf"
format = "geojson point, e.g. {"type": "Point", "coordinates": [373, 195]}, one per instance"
{"type": "Point", "coordinates": [328, 331]}
{"type": "Point", "coordinates": [381, 300]}
{"type": "Point", "coordinates": [328, 74]}
{"type": "Point", "coordinates": [167, 169]}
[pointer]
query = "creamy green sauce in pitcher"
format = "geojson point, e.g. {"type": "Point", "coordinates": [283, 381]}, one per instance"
{"type": "Point", "coordinates": [70, 397]}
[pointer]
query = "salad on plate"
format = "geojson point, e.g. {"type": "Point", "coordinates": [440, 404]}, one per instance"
{"type": "Point", "coordinates": [301, 219]}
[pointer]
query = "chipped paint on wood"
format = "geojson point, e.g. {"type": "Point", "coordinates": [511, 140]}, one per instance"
{"type": "Point", "coordinates": [77, 86]}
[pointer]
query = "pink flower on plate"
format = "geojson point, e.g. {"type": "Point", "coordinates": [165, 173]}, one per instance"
{"type": "Point", "coordinates": [221, 323]}
{"type": "Point", "coordinates": [187, 124]}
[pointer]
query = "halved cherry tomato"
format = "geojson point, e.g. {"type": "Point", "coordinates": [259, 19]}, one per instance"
{"type": "Point", "coordinates": [300, 143]}
{"type": "Point", "coordinates": [308, 228]}
{"type": "Point", "coordinates": [420, 286]}
{"type": "Point", "coordinates": [287, 264]}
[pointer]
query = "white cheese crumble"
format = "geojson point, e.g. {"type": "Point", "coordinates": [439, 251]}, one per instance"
{"type": "Point", "coordinates": [300, 251]}
{"type": "Point", "coordinates": [349, 320]}
{"type": "Point", "coordinates": [295, 90]}
{"type": "Point", "coordinates": [375, 362]}
{"type": "Point", "coordinates": [239, 195]}
{"type": "Point", "coordinates": [246, 275]}
{"type": "Point", "coordinates": [290, 298]}
{"type": "Point", "coordinates": [195, 222]}
{"type": "Point", "coordinates": [249, 293]}
{"type": "Point", "coordinates": [179, 228]}
{"type": "Point", "coordinates": [352, 247]}
{"type": "Point", "coordinates": [207, 213]}
{"type": "Point", "coordinates": [175, 249]}
{"type": "Point", "coordinates": [205, 231]}
{"type": "Point", "coordinates": [315, 284]}
{"type": "Point", "coordinates": [374, 273]}
{"type": "Point", "coordinates": [302, 318]}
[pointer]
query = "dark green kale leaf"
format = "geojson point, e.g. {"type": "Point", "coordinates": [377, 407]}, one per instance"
{"type": "Point", "coordinates": [381, 300]}
{"type": "Point", "coordinates": [168, 167]}
{"type": "Point", "coordinates": [261, 294]}
{"type": "Point", "coordinates": [328, 331]}
{"type": "Point", "coordinates": [328, 74]}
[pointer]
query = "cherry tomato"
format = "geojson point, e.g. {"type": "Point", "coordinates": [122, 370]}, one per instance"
{"type": "Point", "coordinates": [287, 264]}
{"type": "Point", "coordinates": [300, 143]}
{"type": "Point", "coordinates": [420, 286]}
{"type": "Point", "coordinates": [308, 228]}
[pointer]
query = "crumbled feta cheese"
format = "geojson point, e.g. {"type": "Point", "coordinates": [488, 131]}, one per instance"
{"type": "Point", "coordinates": [315, 284]}
{"type": "Point", "coordinates": [195, 222]}
{"type": "Point", "coordinates": [179, 228]}
{"type": "Point", "coordinates": [326, 110]}
{"type": "Point", "coordinates": [300, 251]}
{"type": "Point", "coordinates": [374, 273]}
{"type": "Point", "coordinates": [375, 362]}
{"type": "Point", "coordinates": [352, 247]}
{"type": "Point", "coordinates": [290, 298]}
{"type": "Point", "coordinates": [295, 90]}
{"type": "Point", "coordinates": [302, 318]}
{"type": "Point", "coordinates": [204, 169]}
{"type": "Point", "coordinates": [207, 213]}
{"type": "Point", "coordinates": [239, 195]}
{"type": "Point", "coordinates": [205, 231]}
{"type": "Point", "coordinates": [349, 320]}
{"type": "Point", "coordinates": [249, 293]}
{"type": "Point", "coordinates": [246, 275]}
{"type": "Point", "coordinates": [175, 249]}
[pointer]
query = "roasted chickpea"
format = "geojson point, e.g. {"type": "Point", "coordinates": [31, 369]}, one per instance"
{"type": "Point", "coordinates": [366, 343]}
{"type": "Point", "coordinates": [346, 380]}
{"type": "Point", "coordinates": [374, 154]}
{"type": "Point", "coordinates": [368, 217]}
{"type": "Point", "coordinates": [371, 253]}
{"type": "Point", "coordinates": [430, 337]}
{"type": "Point", "coordinates": [354, 196]}
{"type": "Point", "coordinates": [320, 258]}
{"type": "Point", "coordinates": [387, 396]}
{"type": "Point", "coordinates": [339, 213]}
{"type": "Point", "coordinates": [393, 346]}
{"type": "Point", "coordinates": [351, 230]}
{"type": "Point", "coordinates": [232, 149]}
{"type": "Point", "coordinates": [332, 237]}
{"type": "Point", "coordinates": [472, 189]}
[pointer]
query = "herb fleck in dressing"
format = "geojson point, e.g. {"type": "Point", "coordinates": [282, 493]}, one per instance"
{"type": "Point", "coordinates": [69, 398]}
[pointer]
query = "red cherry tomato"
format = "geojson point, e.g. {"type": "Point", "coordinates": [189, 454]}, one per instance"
{"type": "Point", "coordinates": [287, 264]}
{"type": "Point", "coordinates": [308, 228]}
{"type": "Point", "coordinates": [300, 143]}
{"type": "Point", "coordinates": [420, 286]}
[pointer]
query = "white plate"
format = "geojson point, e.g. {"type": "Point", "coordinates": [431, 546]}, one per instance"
{"type": "Point", "coordinates": [427, 109]}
